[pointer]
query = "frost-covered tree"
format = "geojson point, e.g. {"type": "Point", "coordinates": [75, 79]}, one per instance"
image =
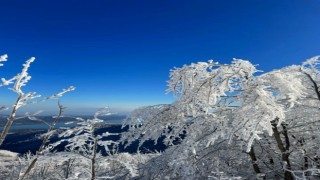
{"type": "Point", "coordinates": [23, 99]}
{"type": "Point", "coordinates": [84, 141]}
{"type": "Point", "coordinates": [229, 122]}
{"type": "Point", "coordinates": [45, 139]}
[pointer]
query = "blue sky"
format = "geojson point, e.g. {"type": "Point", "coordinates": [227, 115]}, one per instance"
{"type": "Point", "coordinates": [119, 53]}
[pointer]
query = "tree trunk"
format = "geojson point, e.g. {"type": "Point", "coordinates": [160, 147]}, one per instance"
{"type": "Point", "coordinates": [315, 85]}
{"type": "Point", "coordinates": [254, 161]}
{"type": "Point", "coordinates": [10, 120]}
{"type": "Point", "coordinates": [93, 160]}
{"type": "Point", "coordinates": [284, 150]}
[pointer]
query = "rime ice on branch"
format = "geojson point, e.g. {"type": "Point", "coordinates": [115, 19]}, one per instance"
{"type": "Point", "coordinates": [226, 116]}
{"type": "Point", "coordinates": [20, 80]}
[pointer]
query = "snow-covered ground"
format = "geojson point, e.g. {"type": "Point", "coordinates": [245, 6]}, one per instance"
{"type": "Point", "coordinates": [7, 155]}
{"type": "Point", "coordinates": [72, 166]}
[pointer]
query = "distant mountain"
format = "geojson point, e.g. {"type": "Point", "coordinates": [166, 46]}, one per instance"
{"type": "Point", "coordinates": [64, 119]}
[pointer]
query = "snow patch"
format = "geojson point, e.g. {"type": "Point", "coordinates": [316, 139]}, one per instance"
{"type": "Point", "coordinates": [8, 155]}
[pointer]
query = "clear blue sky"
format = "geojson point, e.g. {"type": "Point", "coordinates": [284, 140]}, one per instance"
{"type": "Point", "coordinates": [119, 52]}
